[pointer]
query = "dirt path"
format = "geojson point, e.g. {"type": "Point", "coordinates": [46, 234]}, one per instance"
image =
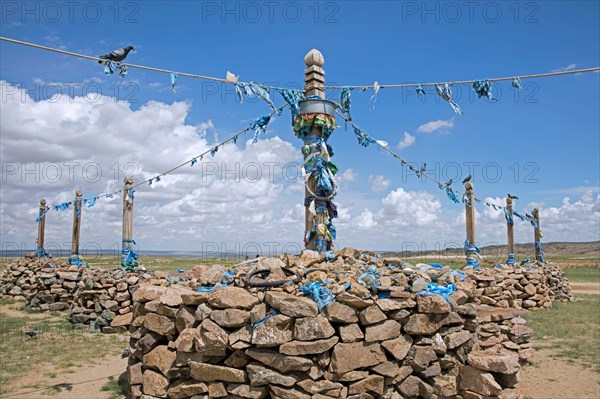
{"type": "Point", "coordinates": [85, 383]}
{"type": "Point", "coordinates": [585, 288]}
{"type": "Point", "coordinates": [551, 378]}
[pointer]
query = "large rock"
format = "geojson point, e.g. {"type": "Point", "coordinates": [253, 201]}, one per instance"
{"type": "Point", "coordinates": [339, 313]}
{"type": "Point", "coordinates": [160, 324]}
{"type": "Point", "coordinates": [387, 305]}
{"type": "Point", "coordinates": [171, 297]}
{"type": "Point", "coordinates": [351, 333]}
{"type": "Point", "coordinates": [351, 356]}
{"type": "Point", "coordinates": [371, 315]}
{"type": "Point", "coordinates": [155, 384]}
{"type": "Point", "coordinates": [247, 391]}
{"type": "Point", "coordinates": [212, 339]}
{"type": "Point", "coordinates": [445, 385]}
{"type": "Point", "coordinates": [186, 389]}
{"type": "Point", "coordinates": [316, 387]}
{"type": "Point", "coordinates": [160, 358]}
{"type": "Point", "coordinates": [281, 363]}
{"type": "Point", "coordinates": [295, 348]}
{"type": "Point", "coordinates": [353, 300]}
{"type": "Point", "coordinates": [208, 373]}
{"type": "Point", "coordinates": [292, 305]}
{"type": "Point", "coordinates": [433, 304]}
{"type": "Point", "coordinates": [311, 328]}
{"type": "Point", "coordinates": [122, 320]}
{"type": "Point", "coordinates": [230, 318]}
{"type": "Point", "coordinates": [456, 339]}
{"type": "Point", "coordinates": [429, 324]}
{"type": "Point", "coordinates": [372, 384]}
{"type": "Point", "coordinates": [384, 331]}
{"type": "Point", "coordinates": [186, 340]}
{"type": "Point", "coordinates": [284, 393]}
{"type": "Point", "coordinates": [419, 357]}
{"type": "Point", "coordinates": [148, 292]}
{"type": "Point", "coordinates": [232, 297]}
{"type": "Point", "coordinates": [260, 375]}
{"type": "Point", "coordinates": [274, 331]}
{"type": "Point", "coordinates": [479, 381]}
{"type": "Point", "coordinates": [504, 362]}
{"type": "Point", "coordinates": [398, 347]}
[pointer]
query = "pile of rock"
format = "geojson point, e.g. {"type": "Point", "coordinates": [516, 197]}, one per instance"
{"type": "Point", "coordinates": [557, 282]}
{"type": "Point", "coordinates": [512, 287]}
{"type": "Point", "coordinates": [98, 298]}
{"type": "Point", "coordinates": [251, 343]}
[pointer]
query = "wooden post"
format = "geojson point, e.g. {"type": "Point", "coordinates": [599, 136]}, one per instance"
{"type": "Point", "coordinates": [537, 235]}
{"type": "Point", "coordinates": [41, 229]}
{"type": "Point", "coordinates": [314, 80]}
{"type": "Point", "coordinates": [510, 232]}
{"type": "Point", "coordinates": [76, 223]}
{"type": "Point", "coordinates": [127, 213]}
{"type": "Point", "coordinates": [470, 212]}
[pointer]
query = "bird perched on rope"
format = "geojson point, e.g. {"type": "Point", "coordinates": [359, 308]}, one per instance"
{"type": "Point", "coordinates": [466, 179]}
{"type": "Point", "coordinates": [447, 184]}
{"type": "Point", "coordinates": [116, 55]}
{"type": "Point", "coordinates": [512, 196]}
{"type": "Point", "coordinates": [33, 332]}
{"type": "Point", "coordinates": [423, 168]}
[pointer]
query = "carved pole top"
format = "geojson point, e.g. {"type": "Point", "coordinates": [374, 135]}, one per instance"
{"type": "Point", "coordinates": [508, 201]}
{"type": "Point", "coordinates": [535, 211]}
{"type": "Point", "coordinates": [43, 202]}
{"type": "Point", "coordinates": [468, 186]}
{"type": "Point", "coordinates": [78, 194]}
{"type": "Point", "coordinates": [128, 180]}
{"type": "Point", "coordinates": [314, 58]}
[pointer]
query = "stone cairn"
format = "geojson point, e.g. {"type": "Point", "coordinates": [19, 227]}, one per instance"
{"type": "Point", "coordinates": [98, 298]}
{"type": "Point", "coordinates": [240, 341]}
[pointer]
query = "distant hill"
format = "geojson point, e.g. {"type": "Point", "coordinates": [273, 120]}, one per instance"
{"type": "Point", "coordinates": [552, 249]}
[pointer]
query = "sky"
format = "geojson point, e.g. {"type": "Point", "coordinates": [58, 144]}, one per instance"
{"type": "Point", "coordinates": [65, 125]}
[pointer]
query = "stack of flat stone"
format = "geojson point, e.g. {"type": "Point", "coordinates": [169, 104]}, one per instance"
{"type": "Point", "coordinates": [557, 282]}
{"type": "Point", "coordinates": [98, 298]}
{"type": "Point", "coordinates": [240, 343]}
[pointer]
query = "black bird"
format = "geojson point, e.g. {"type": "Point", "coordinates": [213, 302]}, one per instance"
{"type": "Point", "coordinates": [512, 196]}
{"type": "Point", "coordinates": [468, 178]}
{"type": "Point", "coordinates": [33, 332]}
{"type": "Point", "coordinates": [423, 168]}
{"type": "Point", "coordinates": [125, 353]}
{"type": "Point", "coordinates": [116, 55]}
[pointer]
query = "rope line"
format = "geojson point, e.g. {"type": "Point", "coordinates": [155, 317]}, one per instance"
{"type": "Point", "coordinates": [463, 82]}
{"type": "Point", "coordinates": [362, 87]}
{"type": "Point", "coordinates": [89, 57]}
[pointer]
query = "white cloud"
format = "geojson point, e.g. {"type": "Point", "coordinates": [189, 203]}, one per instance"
{"type": "Point", "coordinates": [347, 176]}
{"type": "Point", "coordinates": [443, 126]}
{"type": "Point", "coordinates": [406, 141]}
{"type": "Point", "coordinates": [366, 220]}
{"type": "Point", "coordinates": [378, 183]}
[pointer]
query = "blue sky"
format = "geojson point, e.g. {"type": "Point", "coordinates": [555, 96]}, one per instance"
{"type": "Point", "coordinates": [544, 139]}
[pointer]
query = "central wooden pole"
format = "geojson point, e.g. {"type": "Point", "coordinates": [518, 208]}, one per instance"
{"type": "Point", "coordinates": [76, 223]}
{"type": "Point", "coordinates": [40, 252]}
{"type": "Point", "coordinates": [510, 232]}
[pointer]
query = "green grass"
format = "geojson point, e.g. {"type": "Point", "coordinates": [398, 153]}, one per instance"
{"type": "Point", "coordinates": [57, 347]}
{"type": "Point", "coordinates": [570, 329]}
{"type": "Point", "coordinates": [583, 274]}
{"type": "Point", "coordinates": [113, 386]}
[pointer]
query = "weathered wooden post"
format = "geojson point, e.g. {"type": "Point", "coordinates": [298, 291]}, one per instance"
{"type": "Point", "coordinates": [128, 256]}
{"type": "Point", "coordinates": [314, 124]}
{"type": "Point", "coordinates": [471, 250]}
{"type": "Point", "coordinates": [510, 224]}
{"type": "Point", "coordinates": [40, 252]}
{"type": "Point", "coordinates": [537, 235]}
{"type": "Point", "coordinates": [74, 258]}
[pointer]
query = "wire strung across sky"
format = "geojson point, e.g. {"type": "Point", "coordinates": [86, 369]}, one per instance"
{"type": "Point", "coordinates": [375, 86]}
